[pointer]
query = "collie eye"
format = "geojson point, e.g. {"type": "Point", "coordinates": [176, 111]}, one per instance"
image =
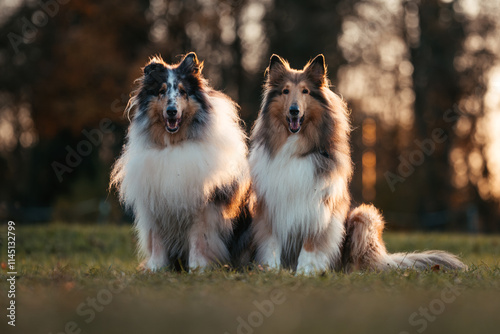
{"type": "Point", "coordinates": [162, 91]}
{"type": "Point", "coordinates": [182, 91]}
{"type": "Point", "coordinates": [305, 91]}
{"type": "Point", "coordinates": [286, 91]}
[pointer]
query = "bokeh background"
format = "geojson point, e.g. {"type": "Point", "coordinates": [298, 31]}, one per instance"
{"type": "Point", "coordinates": [422, 78]}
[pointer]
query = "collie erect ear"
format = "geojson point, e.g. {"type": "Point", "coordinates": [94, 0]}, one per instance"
{"type": "Point", "coordinates": [276, 69]}
{"type": "Point", "coordinates": [153, 67]}
{"type": "Point", "coordinates": [316, 69]}
{"type": "Point", "coordinates": [190, 64]}
{"type": "Point", "coordinates": [154, 75]}
{"type": "Point", "coordinates": [275, 61]}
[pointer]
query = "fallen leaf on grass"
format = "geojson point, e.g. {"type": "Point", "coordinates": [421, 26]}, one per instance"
{"type": "Point", "coordinates": [68, 286]}
{"type": "Point", "coordinates": [435, 268]}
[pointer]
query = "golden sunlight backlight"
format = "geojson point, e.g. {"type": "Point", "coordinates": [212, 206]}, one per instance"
{"type": "Point", "coordinates": [369, 159]}
{"type": "Point", "coordinates": [491, 126]}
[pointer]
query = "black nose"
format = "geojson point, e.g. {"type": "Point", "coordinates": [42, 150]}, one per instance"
{"type": "Point", "coordinates": [171, 111]}
{"type": "Point", "coordinates": [294, 110]}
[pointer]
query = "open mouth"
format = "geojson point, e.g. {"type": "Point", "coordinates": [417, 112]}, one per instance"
{"type": "Point", "coordinates": [172, 124]}
{"type": "Point", "coordinates": [294, 123]}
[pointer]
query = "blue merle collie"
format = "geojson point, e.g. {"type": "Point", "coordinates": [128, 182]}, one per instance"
{"type": "Point", "coordinates": [184, 169]}
{"type": "Point", "coordinates": [301, 166]}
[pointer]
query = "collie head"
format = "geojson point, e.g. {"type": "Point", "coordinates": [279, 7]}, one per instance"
{"type": "Point", "coordinates": [171, 102]}
{"type": "Point", "coordinates": [300, 103]}
{"type": "Point", "coordinates": [291, 92]}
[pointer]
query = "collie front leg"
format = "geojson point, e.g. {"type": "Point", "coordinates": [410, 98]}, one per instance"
{"type": "Point", "coordinates": [313, 259]}
{"type": "Point", "coordinates": [206, 244]}
{"type": "Point", "coordinates": [198, 249]}
{"type": "Point", "coordinates": [268, 245]}
{"type": "Point", "coordinates": [158, 258]}
{"type": "Point", "coordinates": [269, 252]}
{"type": "Point", "coordinates": [319, 253]}
{"type": "Point", "coordinates": [322, 251]}
{"type": "Point", "coordinates": [151, 241]}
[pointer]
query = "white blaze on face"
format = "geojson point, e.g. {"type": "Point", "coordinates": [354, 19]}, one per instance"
{"type": "Point", "coordinates": [171, 88]}
{"type": "Point", "coordinates": [172, 122]}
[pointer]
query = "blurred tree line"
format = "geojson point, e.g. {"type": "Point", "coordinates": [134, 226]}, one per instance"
{"type": "Point", "coordinates": [419, 76]}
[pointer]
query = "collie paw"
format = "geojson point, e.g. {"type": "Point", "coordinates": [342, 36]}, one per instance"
{"type": "Point", "coordinates": [309, 270]}
{"type": "Point", "coordinates": [312, 263]}
{"type": "Point", "coordinates": [270, 265]}
{"type": "Point", "coordinates": [198, 269]}
{"type": "Point", "coordinates": [269, 268]}
{"type": "Point", "coordinates": [154, 265]}
{"type": "Point", "coordinates": [198, 264]}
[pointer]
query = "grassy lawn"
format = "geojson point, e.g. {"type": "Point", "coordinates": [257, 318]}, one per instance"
{"type": "Point", "coordinates": [83, 279]}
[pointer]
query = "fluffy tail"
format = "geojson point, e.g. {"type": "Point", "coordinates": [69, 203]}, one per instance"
{"type": "Point", "coordinates": [364, 248]}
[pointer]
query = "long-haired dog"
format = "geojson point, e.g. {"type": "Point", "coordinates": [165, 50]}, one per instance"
{"type": "Point", "coordinates": [184, 169]}
{"type": "Point", "coordinates": [301, 168]}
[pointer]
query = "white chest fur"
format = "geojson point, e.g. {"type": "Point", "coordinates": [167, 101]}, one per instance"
{"type": "Point", "coordinates": [180, 178]}
{"type": "Point", "coordinates": [292, 193]}
{"type": "Point", "coordinates": [172, 177]}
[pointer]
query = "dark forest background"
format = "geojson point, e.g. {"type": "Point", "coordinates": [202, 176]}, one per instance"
{"type": "Point", "coordinates": [422, 79]}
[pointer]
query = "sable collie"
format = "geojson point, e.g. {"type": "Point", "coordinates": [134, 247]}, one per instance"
{"type": "Point", "coordinates": [184, 169]}
{"type": "Point", "coordinates": [301, 168]}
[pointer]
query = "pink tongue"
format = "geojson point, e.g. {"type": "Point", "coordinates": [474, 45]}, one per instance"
{"type": "Point", "coordinates": [294, 124]}
{"type": "Point", "coordinates": [172, 123]}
